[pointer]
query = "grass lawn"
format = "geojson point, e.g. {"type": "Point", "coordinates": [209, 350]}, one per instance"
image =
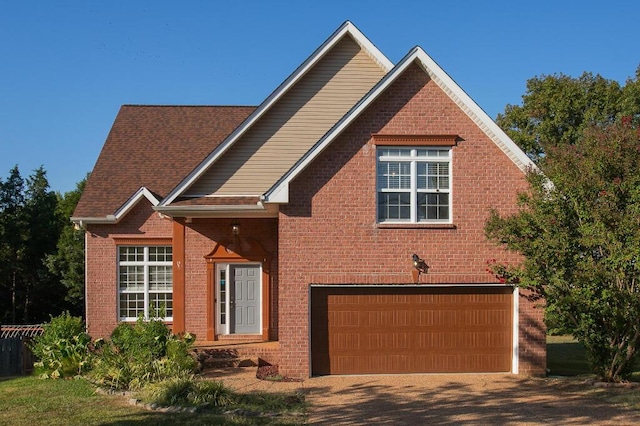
{"type": "Point", "coordinates": [567, 357]}
{"type": "Point", "coordinates": [29, 401]}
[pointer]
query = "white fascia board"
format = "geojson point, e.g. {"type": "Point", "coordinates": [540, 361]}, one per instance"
{"type": "Point", "coordinates": [121, 212]}
{"type": "Point", "coordinates": [276, 95]}
{"type": "Point", "coordinates": [131, 202]}
{"type": "Point", "coordinates": [279, 193]}
{"type": "Point", "coordinates": [473, 111]}
{"type": "Point", "coordinates": [82, 221]}
{"type": "Point", "coordinates": [237, 211]}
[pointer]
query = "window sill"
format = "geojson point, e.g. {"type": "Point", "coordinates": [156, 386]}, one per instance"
{"type": "Point", "coordinates": [416, 226]}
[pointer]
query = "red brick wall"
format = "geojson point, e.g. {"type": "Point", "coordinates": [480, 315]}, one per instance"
{"type": "Point", "coordinates": [101, 268]}
{"type": "Point", "coordinates": [201, 237]}
{"type": "Point", "coordinates": [533, 336]}
{"type": "Point", "coordinates": [328, 231]}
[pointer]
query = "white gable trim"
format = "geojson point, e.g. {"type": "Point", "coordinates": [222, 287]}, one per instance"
{"type": "Point", "coordinates": [131, 202]}
{"type": "Point", "coordinates": [346, 28]}
{"type": "Point", "coordinates": [279, 193]}
{"type": "Point", "coordinates": [474, 112]}
{"type": "Point", "coordinates": [121, 212]}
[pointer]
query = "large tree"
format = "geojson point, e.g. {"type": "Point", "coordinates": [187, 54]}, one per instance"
{"type": "Point", "coordinates": [557, 108]}
{"type": "Point", "coordinates": [578, 230]}
{"type": "Point", "coordinates": [42, 291]}
{"type": "Point", "coordinates": [29, 231]}
{"type": "Point", "coordinates": [13, 225]}
{"type": "Point", "coordinates": [67, 263]}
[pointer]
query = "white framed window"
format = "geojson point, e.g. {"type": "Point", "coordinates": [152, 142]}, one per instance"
{"type": "Point", "coordinates": [414, 184]}
{"type": "Point", "coordinates": [145, 282]}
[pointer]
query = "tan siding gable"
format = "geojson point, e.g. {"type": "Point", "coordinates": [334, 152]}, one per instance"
{"type": "Point", "coordinates": [294, 124]}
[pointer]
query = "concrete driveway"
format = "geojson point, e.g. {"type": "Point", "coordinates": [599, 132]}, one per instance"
{"type": "Point", "coordinates": [441, 399]}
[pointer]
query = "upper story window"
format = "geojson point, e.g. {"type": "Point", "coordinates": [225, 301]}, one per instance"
{"type": "Point", "coordinates": [414, 184]}
{"type": "Point", "coordinates": [145, 282]}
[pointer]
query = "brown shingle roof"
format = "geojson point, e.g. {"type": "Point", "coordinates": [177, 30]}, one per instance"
{"type": "Point", "coordinates": [155, 147]}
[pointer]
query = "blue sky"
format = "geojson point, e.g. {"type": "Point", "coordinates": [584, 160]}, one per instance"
{"type": "Point", "coordinates": [66, 67]}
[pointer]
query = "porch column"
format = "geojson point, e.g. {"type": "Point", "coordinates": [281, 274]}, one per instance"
{"type": "Point", "coordinates": [178, 276]}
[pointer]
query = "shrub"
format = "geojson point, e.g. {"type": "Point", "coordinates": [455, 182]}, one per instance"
{"type": "Point", "coordinates": [187, 390]}
{"type": "Point", "coordinates": [62, 348]}
{"type": "Point", "coordinates": [144, 340]}
{"type": "Point", "coordinates": [142, 353]}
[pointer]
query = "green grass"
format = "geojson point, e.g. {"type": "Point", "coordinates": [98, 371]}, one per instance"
{"type": "Point", "coordinates": [29, 401]}
{"type": "Point", "coordinates": [566, 357]}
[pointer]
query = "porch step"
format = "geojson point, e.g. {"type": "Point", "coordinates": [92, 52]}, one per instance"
{"type": "Point", "coordinates": [211, 358]}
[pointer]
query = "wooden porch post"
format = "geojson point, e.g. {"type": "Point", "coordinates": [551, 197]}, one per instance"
{"type": "Point", "coordinates": [178, 276]}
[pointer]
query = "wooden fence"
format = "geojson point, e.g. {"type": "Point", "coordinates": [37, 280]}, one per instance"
{"type": "Point", "coordinates": [15, 356]}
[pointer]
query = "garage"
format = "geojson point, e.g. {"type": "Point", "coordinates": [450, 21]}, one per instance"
{"type": "Point", "coordinates": [411, 329]}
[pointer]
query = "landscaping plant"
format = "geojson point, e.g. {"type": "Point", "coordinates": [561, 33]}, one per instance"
{"type": "Point", "coordinates": [62, 348]}
{"type": "Point", "coordinates": [187, 391]}
{"type": "Point", "coordinates": [141, 353]}
{"type": "Point", "coordinates": [579, 234]}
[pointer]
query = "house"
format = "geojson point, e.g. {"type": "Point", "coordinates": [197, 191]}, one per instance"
{"type": "Point", "coordinates": [296, 221]}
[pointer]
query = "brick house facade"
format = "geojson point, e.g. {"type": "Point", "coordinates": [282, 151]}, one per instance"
{"type": "Point", "coordinates": [334, 280]}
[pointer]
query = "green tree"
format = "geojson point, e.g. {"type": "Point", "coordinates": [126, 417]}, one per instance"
{"type": "Point", "coordinates": [67, 263]}
{"type": "Point", "coordinates": [42, 291]}
{"type": "Point", "coordinates": [13, 225]}
{"type": "Point", "coordinates": [557, 108]}
{"type": "Point", "coordinates": [29, 230]}
{"type": "Point", "coordinates": [580, 242]}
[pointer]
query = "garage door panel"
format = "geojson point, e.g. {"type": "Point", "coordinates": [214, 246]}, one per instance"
{"type": "Point", "coordinates": [372, 330]}
{"type": "Point", "coordinates": [436, 341]}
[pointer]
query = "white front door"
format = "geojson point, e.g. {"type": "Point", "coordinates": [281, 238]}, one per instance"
{"type": "Point", "coordinates": [238, 298]}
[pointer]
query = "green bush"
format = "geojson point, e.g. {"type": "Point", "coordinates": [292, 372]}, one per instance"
{"type": "Point", "coordinates": [62, 348]}
{"type": "Point", "coordinates": [142, 353]}
{"type": "Point", "coordinates": [144, 340]}
{"type": "Point", "coordinates": [187, 391]}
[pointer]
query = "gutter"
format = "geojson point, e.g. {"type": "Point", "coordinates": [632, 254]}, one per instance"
{"type": "Point", "coordinates": [80, 222]}
{"type": "Point", "coordinates": [249, 210]}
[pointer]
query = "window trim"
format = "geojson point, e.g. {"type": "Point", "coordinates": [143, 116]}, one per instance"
{"type": "Point", "coordinates": [413, 159]}
{"type": "Point", "coordinates": [415, 140]}
{"type": "Point", "coordinates": [146, 264]}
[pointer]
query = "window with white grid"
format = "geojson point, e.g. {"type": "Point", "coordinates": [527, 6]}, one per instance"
{"type": "Point", "coordinates": [414, 185]}
{"type": "Point", "coordinates": [145, 282]}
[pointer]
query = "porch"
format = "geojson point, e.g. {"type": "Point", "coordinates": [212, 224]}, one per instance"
{"type": "Point", "coordinates": [229, 353]}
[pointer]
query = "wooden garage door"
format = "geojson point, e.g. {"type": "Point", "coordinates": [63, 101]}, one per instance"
{"type": "Point", "coordinates": [374, 330]}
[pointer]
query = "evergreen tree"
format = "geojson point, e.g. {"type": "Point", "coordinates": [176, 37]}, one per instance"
{"type": "Point", "coordinates": [43, 292]}
{"type": "Point", "coordinates": [29, 230]}
{"type": "Point", "coordinates": [13, 225]}
{"type": "Point", "coordinates": [67, 263]}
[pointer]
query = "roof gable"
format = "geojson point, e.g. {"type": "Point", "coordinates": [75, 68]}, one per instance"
{"type": "Point", "coordinates": [279, 193]}
{"type": "Point", "coordinates": [153, 147]}
{"type": "Point", "coordinates": [347, 29]}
